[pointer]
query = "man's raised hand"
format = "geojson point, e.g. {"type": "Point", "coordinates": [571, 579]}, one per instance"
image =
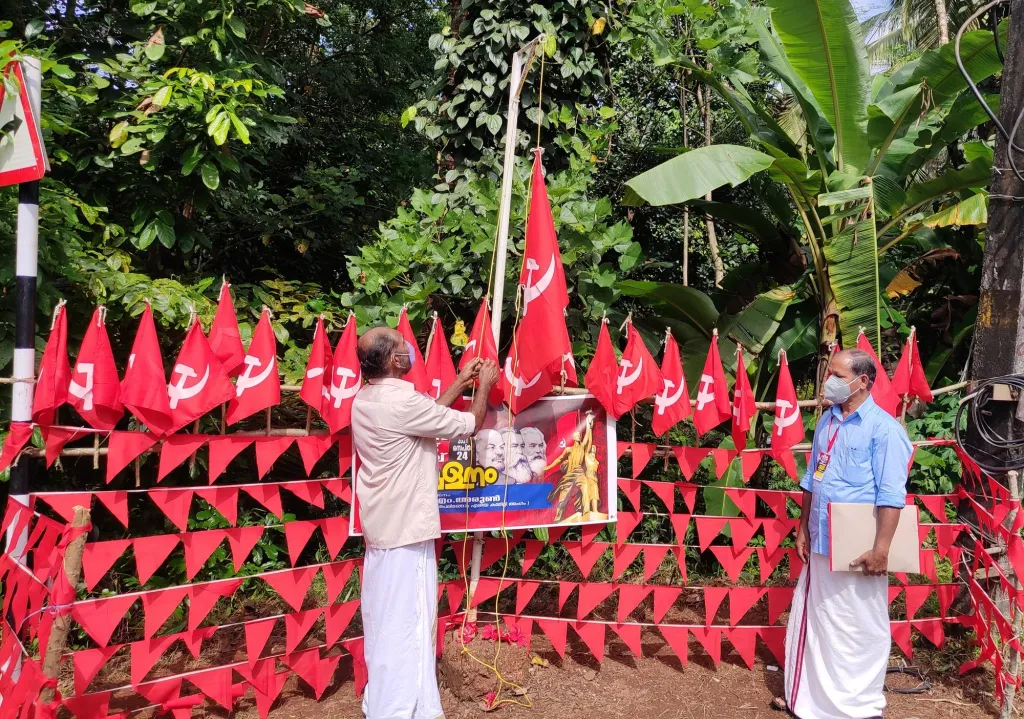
{"type": "Point", "coordinates": [488, 374]}
{"type": "Point", "coordinates": [470, 371]}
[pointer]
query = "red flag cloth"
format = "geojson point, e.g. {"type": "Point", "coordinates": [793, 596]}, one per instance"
{"type": "Point", "coordinates": [481, 344]}
{"type": "Point", "coordinates": [672, 405]}
{"type": "Point", "coordinates": [881, 390]}
{"type": "Point", "coordinates": [175, 504]}
{"type": "Point", "coordinates": [222, 451]}
{"type": "Point", "coordinates": [712, 393]}
{"type": "Point", "coordinates": [51, 389]}
{"type": "Point", "coordinates": [788, 429]}
{"type": "Point", "coordinates": [175, 449]}
{"type": "Point", "coordinates": [143, 387]}
{"type": "Point", "coordinates": [317, 378]}
{"type": "Point", "coordinates": [124, 447]}
{"type": "Point", "coordinates": [100, 617]}
{"type": "Point", "coordinates": [440, 368]}
{"type": "Point", "coordinates": [602, 374]}
{"type": "Point", "coordinates": [242, 541]}
{"type": "Point", "coordinates": [16, 439]}
{"type": "Point", "coordinates": [259, 384]}
{"type": "Point", "coordinates": [95, 390]}
{"type": "Point", "coordinates": [417, 374]}
{"type": "Point", "coordinates": [312, 448]}
{"type": "Point", "coordinates": [256, 636]}
{"type": "Point", "coordinates": [99, 557]}
{"type": "Point", "coordinates": [88, 663]}
{"type": "Point", "coordinates": [520, 392]}
{"type": "Point", "coordinates": [225, 339]}
{"type": "Point", "coordinates": [743, 407]}
{"type": "Point", "coordinates": [198, 547]}
{"type": "Point", "coordinates": [639, 375]}
{"type": "Point", "coordinates": [150, 553]}
{"type": "Point", "coordinates": [345, 380]}
{"type": "Point", "coordinates": [215, 684]}
{"type": "Point", "coordinates": [291, 585]}
{"type": "Point", "coordinates": [909, 379]}
{"type": "Point", "coordinates": [542, 324]}
{"type": "Point", "coordinates": [198, 380]}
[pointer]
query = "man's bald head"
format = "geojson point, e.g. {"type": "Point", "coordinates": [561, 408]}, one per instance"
{"type": "Point", "coordinates": [376, 351]}
{"type": "Point", "coordinates": [850, 364]}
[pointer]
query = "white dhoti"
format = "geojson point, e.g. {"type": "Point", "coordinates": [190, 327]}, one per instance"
{"type": "Point", "coordinates": [399, 607]}
{"type": "Point", "coordinates": [837, 644]}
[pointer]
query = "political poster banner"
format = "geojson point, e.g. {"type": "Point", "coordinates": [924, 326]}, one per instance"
{"type": "Point", "coordinates": [552, 464]}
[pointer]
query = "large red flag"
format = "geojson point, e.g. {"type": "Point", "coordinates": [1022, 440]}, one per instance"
{"type": "Point", "coordinates": [144, 388]}
{"type": "Point", "coordinates": [346, 379]}
{"type": "Point", "coordinates": [712, 392]}
{"type": "Point", "coordinates": [198, 381]}
{"type": "Point", "coordinates": [481, 344]}
{"type": "Point", "coordinates": [909, 379]}
{"type": "Point", "coordinates": [317, 378]}
{"type": "Point", "coordinates": [417, 374]}
{"type": "Point", "coordinates": [54, 371]}
{"type": "Point", "coordinates": [542, 335]}
{"type": "Point", "coordinates": [881, 390]}
{"type": "Point", "coordinates": [639, 376]}
{"type": "Point", "coordinates": [440, 368]}
{"type": "Point", "coordinates": [519, 391]}
{"type": "Point", "coordinates": [95, 389]}
{"type": "Point", "coordinates": [788, 429]}
{"type": "Point", "coordinates": [743, 407]}
{"type": "Point", "coordinates": [602, 375]}
{"type": "Point", "coordinates": [259, 385]}
{"type": "Point", "coordinates": [225, 339]}
{"type": "Point", "coordinates": [672, 405]}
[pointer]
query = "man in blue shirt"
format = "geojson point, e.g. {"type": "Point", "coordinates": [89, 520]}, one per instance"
{"type": "Point", "coordinates": [838, 639]}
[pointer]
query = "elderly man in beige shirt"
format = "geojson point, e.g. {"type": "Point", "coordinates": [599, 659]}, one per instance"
{"type": "Point", "coordinates": [395, 432]}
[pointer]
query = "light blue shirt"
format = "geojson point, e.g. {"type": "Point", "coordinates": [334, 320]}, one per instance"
{"type": "Point", "coordinates": [868, 465]}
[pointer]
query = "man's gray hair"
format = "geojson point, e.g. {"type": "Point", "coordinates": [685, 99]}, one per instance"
{"type": "Point", "coordinates": [374, 362]}
{"type": "Point", "coordinates": [862, 364]}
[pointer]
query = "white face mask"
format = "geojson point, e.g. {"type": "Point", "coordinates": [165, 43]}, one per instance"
{"type": "Point", "coordinates": [837, 391]}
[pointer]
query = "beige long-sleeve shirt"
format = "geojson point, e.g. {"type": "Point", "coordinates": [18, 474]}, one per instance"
{"type": "Point", "coordinates": [394, 432]}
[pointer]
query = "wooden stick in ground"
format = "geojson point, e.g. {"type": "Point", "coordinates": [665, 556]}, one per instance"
{"type": "Point", "coordinates": [62, 623]}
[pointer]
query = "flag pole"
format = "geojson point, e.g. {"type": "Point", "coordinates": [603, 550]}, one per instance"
{"type": "Point", "coordinates": [521, 61]}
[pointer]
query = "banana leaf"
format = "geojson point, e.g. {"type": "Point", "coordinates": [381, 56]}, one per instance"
{"type": "Point", "coordinates": [974, 174]}
{"type": "Point", "coordinates": [939, 70]}
{"type": "Point", "coordinates": [675, 301]}
{"type": "Point", "coordinates": [694, 174]}
{"type": "Point", "coordinates": [972, 211]}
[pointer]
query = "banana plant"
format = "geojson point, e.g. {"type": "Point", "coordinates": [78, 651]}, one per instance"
{"type": "Point", "coordinates": [869, 169]}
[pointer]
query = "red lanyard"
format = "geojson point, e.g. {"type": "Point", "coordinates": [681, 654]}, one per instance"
{"type": "Point", "coordinates": [835, 435]}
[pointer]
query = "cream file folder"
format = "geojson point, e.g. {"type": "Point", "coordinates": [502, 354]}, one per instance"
{"type": "Point", "coordinates": [851, 529]}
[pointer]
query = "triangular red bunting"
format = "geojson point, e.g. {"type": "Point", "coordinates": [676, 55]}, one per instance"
{"type": "Point", "coordinates": [335, 531]}
{"type": "Point", "coordinates": [222, 451]}
{"type": "Point", "coordinates": [64, 503]}
{"type": "Point", "coordinates": [124, 447]}
{"type": "Point", "coordinates": [711, 639]}
{"type": "Point", "coordinates": [743, 640]}
{"type": "Point", "coordinates": [198, 547]}
{"type": "Point", "coordinates": [310, 491]}
{"type": "Point", "coordinates": [642, 454]}
{"type": "Point", "coordinates": [946, 594]}
{"type": "Point", "coordinates": [268, 450]}
{"type": "Point", "coordinates": [339, 616]}
{"type": "Point", "coordinates": [336, 576]}
{"type": "Point", "coordinates": [159, 604]}
{"type": "Point", "coordinates": [146, 654]}
{"type": "Point", "coordinates": [932, 630]}
{"type": "Point", "coordinates": [88, 663]}
{"type": "Point", "coordinates": [786, 460]}
{"type": "Point", "coordinates": [592, 634]}
{"type": "Point", "coordinates": [779, 599]}
{"type": "Point", "coordinates": [312, 448]}
{"type": "Point", "coordinates": [591, 595]}
{"type": "Point", "coordinates": [56, 438]}
{"type": "Point", "coordinates": [555, 631]}
{"type": "Point", "coordinates": [256, 635]}
{"type": "Point", "coordinates": [555, 533]}
{"type": "Point", "coordinates": [916, 595]}
{"type": "Point", "coordinates": [743, 528]}
{"type": "Point", "coordinates": [624, 556]}
{"type": "Point", "coordinates": [117, 503]}
{"type": "Point", "coordinates": [486, 588]}
{"type": "Point", "coordinates": [296, 536]}
{"type": "Point", "coordinates": [307, 665]}
{"type": "Point", "coordinates": [689, 459]}
{"type": "Point", "coordinates": [99, 557]}
{"type": "Point", "coordinates": [89, 706]}
{"type": "Point", "coordinates": [203, 597]}
{"type": "Point", "coordinates": [585, 557]}
{"type": "Point", "coordinates": [654, 555]}
{"type": "Point", "coordinates": [589, 533]}
{"type": "Point", "coordinates": [935, 504]}
{"type": "Point", "coordinates": [175, 504]}
{"type": "Point", "coordinates": [708, 528]}
{"type": "Point", "coordinates": [713, 598]}
{"type": "Point", "coordinates": [297, 625]}
{"type": "Point", "coordinates": [564, 590]}
{"type": "Point", "coordinates": [18, 436]}
{"type": "Point", "coordinates": [223, 499]}
{"type": "Point", "coordinates": [215, 684]}
{"type": "Point", "coordinates": [160, 691]}
{"type": "Point", "coordinates": [732, 560]}
{"type": "Point", "coordinates": [677, 640]}
{"type": "Point", "coordinates": [176, 449]}
{"type": "Point", "coordinates": [776, 501]}
{"type": "Point", "coordinates": [775, 530]}
{"type": "Point", "coordinates": [457, 590]}
{"type": "Point", "coordinates": [620, 449]}
{"type": "Point", "coordinates": [689, 494]}
{"type": "Point", "coordinates": [664, 598]}
{"type": "Point", "coordinates": [344, 457]}
{"type": "Point", "coordinates": [630, 636]}
{"type": "Point", "coordinates": [627, 521]}
{"type": "Point", "coordinates": [631, 488]}
{"type": "Point", "coordinates": [680, 524]}
{"type": "Point", "coordinates": [355, 648]}
{"type": "Point", "coordinates": [945, 536]}
{"type": "Point", "coordinates": [99, 618]}
{"type": "Point", "coordinates": [745, 499]}
{"type": "Point", "coordinates": [741, 599]}
{"type": "Point", "coordinates": [242, 540]}
{"type": "Point", "coordinates": [665, 491]}
{"type": "Point", "coordinates": [722, 458]}
{"type": "Point", "coordinates": [775, 639]}
{"type": "Point", "coordinates": [901, 636]}
{"type": "Point", "coordinates": [524, 593]}
{"type": "Point", "coordinates": [749, 462]}
{"type": "Point", "coordinates": [533, 549]}
{"type": "Point", "coordinates": [268, 495]}
{"type": "Point", "coordinates": [893, 593]}
{"type": "Point", "coordinates": [630, 596]}
{"type": "Point", "coordinates": [291, 585]}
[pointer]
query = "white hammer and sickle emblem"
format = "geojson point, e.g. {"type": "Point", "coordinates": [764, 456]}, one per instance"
{"type": "Point", "coordinates": [246, 380]}
{"type": "Point", "coordinates": [533, 291]}
{"type": "Point", "coordinates": [517, 383]}
{"type": "Point", "coordinates": [707, 382]}
{"type": "Point", "coordinates": [83, 392]}
{"type": "Point", "coordinates": [664, 400]}
{"type": "Point", "coordinates": [783, 420]}
{"type": "Point", "coordinates": [342, 392]}
{"type": "Point", "coordinates": [624, 380]}
{"type": "Point", "coordinates": [436, 384]}
{"type": "Point", "coordinates": [179, 391]}
{"type": "Point", "coordinates": [470, 346]}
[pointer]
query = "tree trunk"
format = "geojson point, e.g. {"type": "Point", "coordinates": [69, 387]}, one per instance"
{"type": "Point", "coordinates": [683, 110]}
{"type": "Point", "coordinates": [705, 100]}
{"type": "Point", "coordinates": [942, 20]}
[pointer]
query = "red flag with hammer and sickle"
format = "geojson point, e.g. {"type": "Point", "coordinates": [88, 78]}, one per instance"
{"type": "Point", "coordinates": [909, 380]}
{"type": "Point", "coordinates": [95, 388]}
{"type": "Point", "coordinates": [54, 372]}
{"type": "Point", "coordinates": [881, 390]}
{"type": "Point", "coordinates": [672, 405]}
{"type": "Point", "coordinates": [519, 391]}
{"type": "Point", "coordinates": [481, 344]}
{"type": "Point", "coordinates": [543, 338]}
{"type": "Point", "coordinates": [743, 407]}
{"type": "Point", "coordinates": [712, 392]}
{"type": "Point", "coordinates": [639, 376]}
{"type": "Point", "coordinates": [317, 378]}
{"type": "Point", "coordinates": [225, 339]}
{"type": "Point", "coordinates": [144, 387]}
{"type": "Point", "coordinates": [346, 379]}
{"type": "Point", "coordinates": [417, 374]}
{"type": "Point", "coordinates": [788, 429]}
{"type": "Point", "coordinates": [603, 371]}
{"type": "Point", "coordinates": [259, 384]}
{"type": "Point", "coordinates": [198, 380]}
{"type": "Point", "coordinates": [440, 368]}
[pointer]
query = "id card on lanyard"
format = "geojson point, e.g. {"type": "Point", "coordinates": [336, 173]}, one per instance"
{"type": "Point", "coordinates": [824, 457]}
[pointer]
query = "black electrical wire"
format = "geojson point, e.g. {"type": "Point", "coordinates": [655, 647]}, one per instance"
{"type": "Point", "coordinates": [923, 686]}
{"type": "Point", "coordinates": [993, 21]}
{"type": "Point", "coordinates": [1008, 452]}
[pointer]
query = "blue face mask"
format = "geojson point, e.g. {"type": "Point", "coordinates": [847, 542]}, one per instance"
{"type": "Point", "coordinates": [412, 353]}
